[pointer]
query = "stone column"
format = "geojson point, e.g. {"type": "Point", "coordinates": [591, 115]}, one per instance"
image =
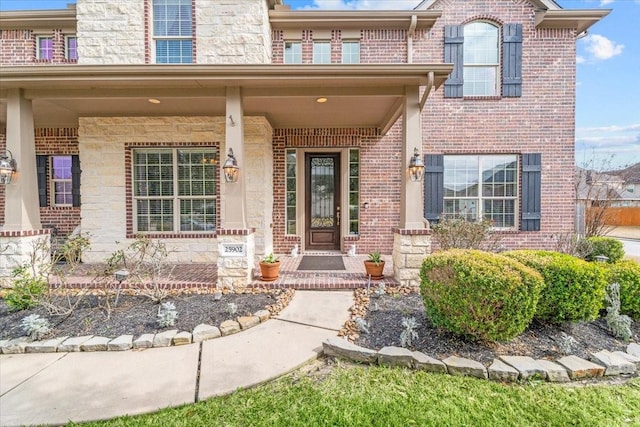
{"type": "Point", "coordinates": [411, 216]}
{"type": "Point", "coordinates": [236, 251]}
{"type": "Point", "coordinates": [235, 215]}
{"type": "Point", "coordinates": [410, 247]}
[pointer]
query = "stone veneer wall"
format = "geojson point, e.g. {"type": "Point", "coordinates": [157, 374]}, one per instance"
{"type": "Point", "coordinates": [111, 32]}
{"type": "Point", "coordinates": [233, 32]}
{"type": "Point", "coordinates": [31, 248]}
{"type": "Point", "coordinates": [102, 142]}
{"type": "Point", "coordinates": [410, 247]}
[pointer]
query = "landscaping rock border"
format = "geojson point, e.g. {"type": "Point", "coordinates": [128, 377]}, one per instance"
{"type": "Point", "coordinates": [504, 369]}
{"type": "Point", "coordinates": [168, 338]}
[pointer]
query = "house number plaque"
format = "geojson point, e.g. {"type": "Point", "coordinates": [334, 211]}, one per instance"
{"type": "Point", "coordinates": [233, 249]}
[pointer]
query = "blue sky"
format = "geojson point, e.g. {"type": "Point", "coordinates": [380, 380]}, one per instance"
{"type": "Point", "coordinates": [608, 91]}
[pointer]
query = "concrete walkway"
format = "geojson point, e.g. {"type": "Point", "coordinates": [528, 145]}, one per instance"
{"type": "Point", "coordinates": [54, 388]}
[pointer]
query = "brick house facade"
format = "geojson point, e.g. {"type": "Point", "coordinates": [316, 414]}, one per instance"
{"type": "Point", "coordinates": [91, 84]}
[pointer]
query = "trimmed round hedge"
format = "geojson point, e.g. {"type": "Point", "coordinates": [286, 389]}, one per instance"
{"type": "Point", "coordinates": [575, 289]}
{"type": "Point", "coordinates": [479, 295]}
{"type": "Point", "coordinates": [627, 274]}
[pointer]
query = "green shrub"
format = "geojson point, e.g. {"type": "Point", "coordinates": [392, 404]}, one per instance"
{"type": "Point", "coordinates": [627, 274]}
{"type": "Point", "coordinates": [480, 295]}
{"type": "Point", "coordinates": [26, 290]}
{"type": "Point", "coordinates": [575, 289]}
{"type": "Point", "coordinates": [607, 246]}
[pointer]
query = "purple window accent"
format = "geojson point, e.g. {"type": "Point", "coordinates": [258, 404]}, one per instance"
{"type": "Point", "coordinates": [61, 167]}
{"type": "Point", "coordinates": [45, 48]}
{"type": "Point", "coordinates": [72, 48]}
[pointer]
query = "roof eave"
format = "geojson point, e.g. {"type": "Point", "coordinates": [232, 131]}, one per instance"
{"type": "Point", "coordinates": [332, 19]}
{"type": "Point", "coordinates": [33, 19]}
{"type": "Point", "coordinates": [581, 19]}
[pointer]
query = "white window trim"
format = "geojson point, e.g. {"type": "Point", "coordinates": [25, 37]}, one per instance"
{"type": "Point", "coordinates": [53, 181]}
{"type": "Point", "coordinates": [497, 65]}
{"type": "Point", "coordinates": [318, 43]}
{"type": "Point", "coordinates": [176, 197]}
{"type": "Point", "coordinates": [154, 38]}
{"type": "Point", "coordinates": [347, 41]}
{"type": "Point", "coordinates": [480, 198]}
{"type": "Point", "coordinates": [38, 54]}
{"type": "Point", "coordinates": [284, 50]}
{"type": "Point", "coordinates": [66, 47]}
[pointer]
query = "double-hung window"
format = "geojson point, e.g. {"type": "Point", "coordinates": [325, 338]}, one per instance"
{"type": "Point", "coordinates": [350, 52]}
{"type": "Point", "coordinates": [482, 188]}
{"type": "Point", "coordinates": [322, 52]}
{"type": "Point", "coordinates": [44, 49]}
{"type": "Point", "coordinates": [175, 189]}
{"type": "Point", "coordinates": [172, 31]}
{"type": "Point", "coordinates": [71, 48]}
{"type": "Point", "coordinates": [61, 184]}
{"type": "Point", "coordinates": [481, 59]}
{"type": "Point", "coordinates": [292, 52]}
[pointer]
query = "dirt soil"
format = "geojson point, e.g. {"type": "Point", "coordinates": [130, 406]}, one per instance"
{"type": "Point", "coordinates": [137, 315]}
{"type": "Point", "coordinates": [540, 341]}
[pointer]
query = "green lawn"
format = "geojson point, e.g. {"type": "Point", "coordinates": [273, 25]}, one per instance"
{"type": "Point", "coordinates": [375, 396]}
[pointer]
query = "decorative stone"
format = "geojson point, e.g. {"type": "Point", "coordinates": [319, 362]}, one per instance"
{"type": "Point", "coordinates": [163, 339]}
{"type": "Point", "coordinates": [460, 366]}
{"type": "Point", "coordinates": [247, 322]}
{"type": "Point", "coordinates": [633, 349]}
{"type": "Point", "coordinates": [95, 344]}
{"type": "Point", "coordinates": [204, 332]}
{"type": "Point", "coordinates": [615, 365]}
{"type": "Point", "coordinates": [144, 341]}
{"type": "Point", "coordinates": [182, 338]}
{"type": "Point", "coordinates": [15, 346]}
{"type": "Point", "coordinates": [579, 368]}
{"type": "Point", "coordinates": [395, 356]}
{"type": "Point", "coordinates": [339, 347]}
{"type": "Point", "coordinates": [122, 343]}
{"type": "Point", "coordinates": [73, 344]}
{"type": "Point", "coordinates": [628, 357]}
{"type": "Point", "coordinates": [526, 366]}
{"type": "Point", "coordinates": [229, 327]}
{"type": "Point", "coordinates": [47, 346]}
{"type": "Point", "coordinates": [500, 371]}
{"type": "Point", "coordinates": [426, 363]}
{"type": "Point", "coordinates": [2, 343]}
{"type": "Point", "coordinates": [554, 372]}
{"type": "Point", "coordinates": [263, 315]}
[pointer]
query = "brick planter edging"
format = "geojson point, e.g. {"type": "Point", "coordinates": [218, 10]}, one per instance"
{"type": "Point", "coordinates": [201, 332]}
{"type": "Point", "coordinates": [504, 369]}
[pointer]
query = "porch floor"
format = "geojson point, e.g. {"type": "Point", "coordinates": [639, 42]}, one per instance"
{"type": "Point", "coordinates": [200, 275]}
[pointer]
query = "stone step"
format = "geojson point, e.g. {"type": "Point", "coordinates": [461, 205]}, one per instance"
{"type": "Point", "coordinates": [15, 346]}
{"type": "Point", "coordinates": [229, 327]}
{"type": "Point", "coordinates": [526, 366]}
{"type": "Point", "coordinates": [500, 371]}
{"type": "Point", "coordinates": [47, 346]}
{"type": "Point", "coordinates": [144, 341]}
{"type": "Point", "coordinates": [204, 332]}
{"type": "Point", "coordinates": [465, 367]}
{"type": "Point", "coordinates": [73, 344]}
{"type": "Point", "coordinates": [629, 357]}
{"type": "Point", "coordinates": [339, 347]}
{"type": "Point", "coordinates": [555, 373]}
{"type": "Point", "coordinates": [395, 356]}
{"type": "Point", "coordinates": [163, 339]}
{"type": "Point", "coordinates": [122, 343]}
{"type": "Point", "coordinates": [182, 338]}
{"type": "Point", "coordinates": [95, 344]}
{"type": "Point", "coordinates": [614, 364]}
{"type": "Point", "coordinates": [427, 363]}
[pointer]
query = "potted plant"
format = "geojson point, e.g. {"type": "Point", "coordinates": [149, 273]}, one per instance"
{"type": "Point", "coordinates": [374, 265]}
{"type": "Point", "coordinates": [270, 268]}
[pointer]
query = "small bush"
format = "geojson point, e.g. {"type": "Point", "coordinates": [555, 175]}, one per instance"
{"type": "Point", "coordinates": [627, 274]}
{"type": "Point", "coordinates": [479, 295]}
{"type": "Point", "coordinates": [607, 246]}
{"type": "Point", "coordinates": [458, 233]}
{"type": "Point", "coordinates": [35, 326]}
{"type": "Point", "coordinates": [575, 289]}
{"type": "Point", "coordinates": [619, 324]}
{"type": "Point", "coordinates": [26, 290]}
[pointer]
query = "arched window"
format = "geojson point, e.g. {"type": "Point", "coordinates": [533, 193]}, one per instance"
{"type": "Point", "coordinates": [481, 59]}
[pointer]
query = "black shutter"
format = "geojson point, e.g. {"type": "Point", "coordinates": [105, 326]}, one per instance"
{"type": "Point", "coordinates": [75, 180]}
{"type": "Point", "coordinates": [453, 53]}
{"type": "Point", "coordinates": [531, 174]}
{"type": "Point", "coordinates": [433, 187]}
{"type": "Point", "coordinates": [41, 168]}
{"type": "Point", "coordinates": [512, 60]}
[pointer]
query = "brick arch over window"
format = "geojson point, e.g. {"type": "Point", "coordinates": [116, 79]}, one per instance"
{"type": "Point", "coordinates": [510, 64]}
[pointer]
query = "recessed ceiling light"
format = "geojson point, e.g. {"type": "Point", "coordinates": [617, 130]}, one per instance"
{"type": "Point", "coordinates": [154, 101]}
{"type": "Point", "coordinates": [321, 100]}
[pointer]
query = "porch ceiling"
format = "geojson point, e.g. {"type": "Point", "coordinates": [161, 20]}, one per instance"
{"type": "Point", "coordinates": [358, 95]}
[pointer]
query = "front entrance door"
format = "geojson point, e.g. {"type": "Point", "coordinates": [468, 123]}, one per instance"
{"type": "Point", "coordinates": [322, 180]}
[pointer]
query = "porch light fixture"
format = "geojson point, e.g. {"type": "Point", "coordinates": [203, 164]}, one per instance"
{"type": "Point", "coordinates": [230, 168]}
{"type": "Point", "coordinates": [321, 100]}
{"type": "Point", "coordinates": [153, 101]}
{"type": "Point", "coordinates": [8, 167]}
{"type": "Point", "coordinates": [416, 167]}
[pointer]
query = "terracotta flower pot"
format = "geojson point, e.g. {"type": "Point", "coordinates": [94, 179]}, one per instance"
{"type": "Point", "coordinates": [374, 270]}
{"type": "Point", "coordinates": [269, 270]}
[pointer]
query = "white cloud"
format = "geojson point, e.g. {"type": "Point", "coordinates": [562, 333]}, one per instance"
{"type": "Point", "coordinates": [605, 2]}
{"type": "Point", "coordinates": [601, 48]}
{"type": "Point", "coordinates": [580, 59]}
{"type": "Point", "coordinates": [612, 128]}
{"type": "Point", "coordinates": [363, 4]}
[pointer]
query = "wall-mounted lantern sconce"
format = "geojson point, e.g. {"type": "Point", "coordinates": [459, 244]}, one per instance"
{"type": "Point", "coordinates": [230, 168]}
{"type": "Point", "coordinates": [366, 205]}
{"type": "Point", "coordinates": [416, 167]}
{"type": "Point", "coordinates": [8, 167]}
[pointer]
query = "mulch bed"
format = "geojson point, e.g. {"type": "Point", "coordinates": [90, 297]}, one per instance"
{"type": "Point", "coordinates": [541, 341]}
{"type": "Point", "coordinates": [137, 315]}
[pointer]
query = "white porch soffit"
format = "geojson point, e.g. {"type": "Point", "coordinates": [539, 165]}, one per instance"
{"type": "Point", "coordinates": [368, 96]}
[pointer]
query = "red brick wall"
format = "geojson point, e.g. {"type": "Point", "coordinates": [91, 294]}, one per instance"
{"type": "Point", "coordinates": [52, 141]}
{"type": "Point", "coordinates": [18, 47]}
